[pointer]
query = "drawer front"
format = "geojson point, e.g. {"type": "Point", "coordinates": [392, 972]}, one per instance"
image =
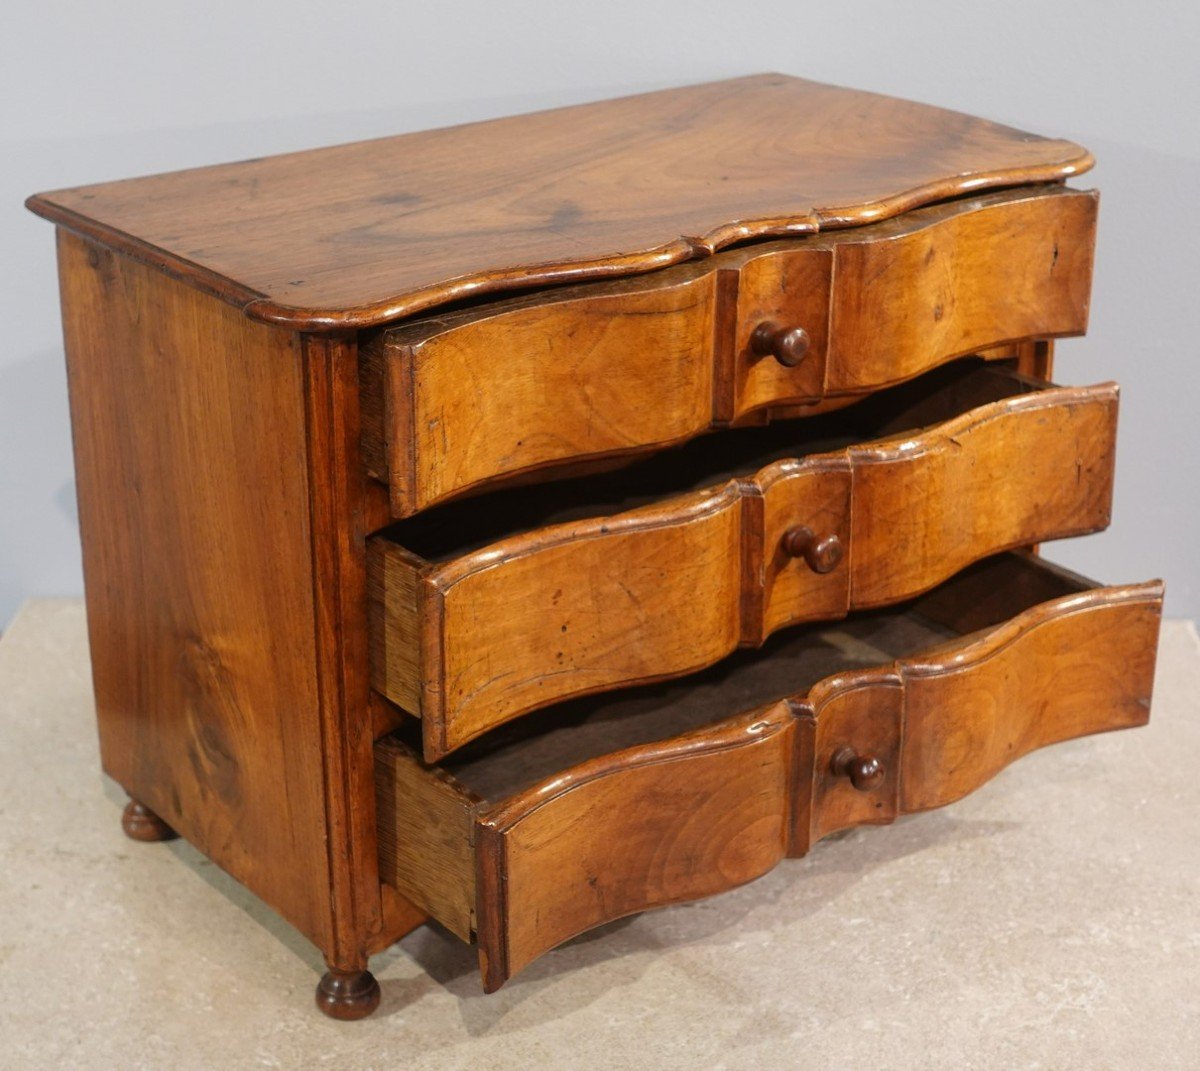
{"type": "Point", "coordinates": [1066, 670]}
{"type": "Point", "coordinates": [924, 507]}
{"type": "Point", "coordinates": [639, 829]}
{"type": "Point", "coordinates": [664, 590]}
{"type": "Point", "coordinates": [588, 610]}
{"type": "Point", "coordinates": [711, 810]}
{"type": "Point", "coordinates": [613, 369]}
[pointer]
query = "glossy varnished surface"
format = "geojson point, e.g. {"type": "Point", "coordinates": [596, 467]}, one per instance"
{"type": "Point", "coordinates": [234, 454]}
{"type": "Point", "coordinates": [359, 234]}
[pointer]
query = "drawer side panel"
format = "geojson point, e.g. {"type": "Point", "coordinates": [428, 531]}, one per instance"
{"type": "Point", "coordinates": [394, 582]}
{"type": "Point", "coordinates": [426, 837]}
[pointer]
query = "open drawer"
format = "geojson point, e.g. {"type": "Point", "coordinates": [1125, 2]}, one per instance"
{"type": "Point", "coordinates": [605, 807]}
{"type": "Point", "coordinates": [554, 381]}
{"type": "Point", "coordinates": [485, 610]}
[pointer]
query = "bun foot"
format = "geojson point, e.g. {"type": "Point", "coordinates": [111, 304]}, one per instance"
{"type": "Point", "coordinates": [141, 823]}
{"type": "Point", "coordinates": [348, 994]}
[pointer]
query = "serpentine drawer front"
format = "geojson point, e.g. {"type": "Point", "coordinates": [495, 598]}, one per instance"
{"type": "Point", "coordinates": [455, 402]}
{"type": "Point", "coordinates": [527, 840]}
{"type": "Point", "coordinates": [534, 521]}
{"type": "Point", "coordinates": [566, 607]}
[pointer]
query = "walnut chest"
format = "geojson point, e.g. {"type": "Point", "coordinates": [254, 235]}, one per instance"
{"type": "Point", "coordinates": [533, 522]}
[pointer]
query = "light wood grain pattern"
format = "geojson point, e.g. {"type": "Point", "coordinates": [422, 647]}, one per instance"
{"type": "Point", "coordinates": [863, 711]}
{"type": "Point", "coordinates": [190, 450]}
{"type": "Point", "coordinates": [1010, 270]}
{"type": "Point", "coordinates": [815, 492]}
{"type": "Point", "coordinates": [1080, 665]}
{"type": "Point", "coordinates": [700, 812]}
{"type": "Point", "coordinates": [1035, 467]}
{"type": "Point", "coordinates": [506, 394]}
{"type": "Point", "coordinates": [639, 829]}
{"type": "Point", "coordinates": [362, 234]}
{"type": "Point", "coordinates": [427, 846]}
{"type": "Point", "coordinates": [394, 597]}
{"type": "Point", "coordinates": [651, 596]}
{"type": "Point", "coordinates": [960, 712]}
{"type": "Point", "coordinates": [580, 607]}
{"type": "Point", "coordinates": [608, 370]}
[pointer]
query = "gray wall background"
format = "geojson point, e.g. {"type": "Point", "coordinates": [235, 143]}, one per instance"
{"type": "Point", "coordinates": [105, 91]}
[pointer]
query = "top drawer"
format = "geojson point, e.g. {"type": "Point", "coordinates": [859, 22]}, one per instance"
{"type": "Point", "coordinates": [565, 377]}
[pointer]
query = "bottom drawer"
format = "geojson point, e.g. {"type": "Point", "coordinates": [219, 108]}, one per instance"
{"type": "Point", "coordinates": [606, 806]}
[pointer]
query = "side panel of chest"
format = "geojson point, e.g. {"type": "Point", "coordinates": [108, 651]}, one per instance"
{"type": "Point", "coordinates": [190, 450]}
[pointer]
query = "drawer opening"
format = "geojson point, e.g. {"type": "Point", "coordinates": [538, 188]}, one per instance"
{"type": "Point", "coordinates": [484, 611]}
{"type": "Point", "coordinates": [605, 806]}
{"type": "Point", "coordinates": [523, 752]}
{"type": "Point", "coordinates": [551, 385]}
{"type": "Point", "coordinates": [460, 527]}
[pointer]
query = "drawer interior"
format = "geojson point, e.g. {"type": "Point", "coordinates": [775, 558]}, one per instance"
{"type": "Point", "coordinates": [445, 532]}
{"type": "Point", "coordinates": [601, 807]}
{"type": "Point", "coordinates": [522, 753]}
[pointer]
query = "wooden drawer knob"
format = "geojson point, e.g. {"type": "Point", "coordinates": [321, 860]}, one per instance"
{"type": "Point", "coordinates": [787, 345]}
{"type": "Point", "coordinates": [822, 554]}
{"type": "Point", "coordinates": [865, 771]}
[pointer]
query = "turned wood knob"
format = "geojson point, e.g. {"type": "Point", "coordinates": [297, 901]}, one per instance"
{"type": "Point", "coordinates": [787, 345]}
{"type": "Point", "coordinates": [865, 771]}
{"type": "Point", "coordinates": [822, 553]}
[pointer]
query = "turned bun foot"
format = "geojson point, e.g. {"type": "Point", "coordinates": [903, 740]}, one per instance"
{"type": "Point", "coordinates": [141, 823]}
{"type": "Point", "coordinates": [348, 994]}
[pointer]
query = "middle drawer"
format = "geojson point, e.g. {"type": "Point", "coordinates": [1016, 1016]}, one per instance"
{"type": "Point", "coordinates": [484, 610]}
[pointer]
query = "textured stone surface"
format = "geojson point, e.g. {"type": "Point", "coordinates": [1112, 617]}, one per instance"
{"type": "Point", "coordinates": [1051, 920]}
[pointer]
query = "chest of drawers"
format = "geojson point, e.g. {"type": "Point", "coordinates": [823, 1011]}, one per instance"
{"type": "Point", "coordinates": [530, 523]}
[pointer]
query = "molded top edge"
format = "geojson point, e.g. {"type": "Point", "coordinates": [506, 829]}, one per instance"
{"type": "Point", "coordinates": [359, 235]}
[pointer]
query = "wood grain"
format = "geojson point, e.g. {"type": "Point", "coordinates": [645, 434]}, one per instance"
{"type": "Point", "coordinates": [338, 521]}
{"type": "Point", "coordinates": [611, 600]}
{"type": "Point", "coordinates": [1034, 467]}
{"type": "Point", "coordinates": [1015, 267]}
{"type": "Point", "coordinates": [665, 820]}
{"type": "Point", "coordinates": [435, 871]}
{"type": "Point", "coordinates": [591, 609]}
{"type": "Point", "coordinates": [863, 711]}
{"type": "Point", "coordinates": [190, 450]}
{"type": "Point", "coordinates": [628, 371]}
{"type": "Point", "coordinates": [543, 383]}
{"type": "Point", "coordinates": [223, 511]}
{"type": "Point", "coordinates": [357, 235]}
{"type": "Point", "coordinates": [694, 816]}
{"type": "Point", "coordinates": [1083, 664]}
{"type": "Point", "coordinates": [816, 492]}
{"type": "Point", "coordinates": [395, 579]}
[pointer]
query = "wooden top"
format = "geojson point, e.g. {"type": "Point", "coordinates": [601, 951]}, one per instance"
{"type": "Point", "coordinates": [358, 235]}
